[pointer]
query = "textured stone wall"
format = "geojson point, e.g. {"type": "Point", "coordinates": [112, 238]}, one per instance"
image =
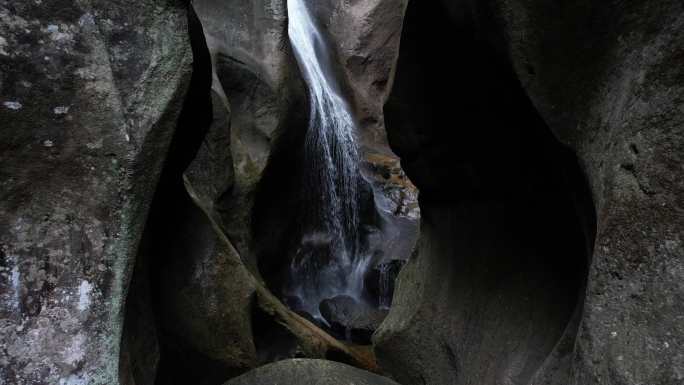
{"type": "Point", "coordinates": [89, 95]}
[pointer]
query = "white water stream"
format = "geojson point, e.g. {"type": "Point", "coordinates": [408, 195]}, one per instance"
{"type": "Point", "coordinates": [327, 262]}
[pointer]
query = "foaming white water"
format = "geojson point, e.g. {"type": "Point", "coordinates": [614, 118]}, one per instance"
{"type": "Point", "coordinates": [327, 262]}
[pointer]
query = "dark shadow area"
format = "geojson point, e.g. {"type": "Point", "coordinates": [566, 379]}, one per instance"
{"type": "Point", "coordinates": [174, 228]}
{"type": "Point", "coordinates": [272, 340]}
{"type": "Point", "coordinates": [508, 222]}
{"type": "Point", "coordinates": [278, 200]}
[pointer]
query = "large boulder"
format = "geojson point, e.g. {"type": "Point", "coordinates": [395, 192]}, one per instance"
{"type": "Point", "coordinates": [89, 97]}
{"type": "Point", "coordinates": [309, 372]}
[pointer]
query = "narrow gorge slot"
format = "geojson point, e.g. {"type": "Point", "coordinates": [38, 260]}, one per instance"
{"type": "Point", "coordinates": [335, 220]}
{"type": "Point", "coordinates": [226, 192]}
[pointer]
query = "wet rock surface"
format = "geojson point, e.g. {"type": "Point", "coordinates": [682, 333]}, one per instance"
{"type": "Point", "coordinates": [309, 372]}
{"type": "Point", "coordinates": [381, 280]}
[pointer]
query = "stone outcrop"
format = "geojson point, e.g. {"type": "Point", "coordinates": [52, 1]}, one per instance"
{"type": "Point", "coordinates": [89, 97]}
{"type": "Point", "coordinates": [309, 372]}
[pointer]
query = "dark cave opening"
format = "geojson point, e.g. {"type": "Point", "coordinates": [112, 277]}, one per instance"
{"type": "Point", "coordinates": [508, 221]}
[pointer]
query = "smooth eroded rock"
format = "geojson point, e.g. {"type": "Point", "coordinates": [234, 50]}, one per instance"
{"type": "Point", "coordinates": [499, 270]}
{"type": "Point", "coordinates": [309, 372]}
{"type": "Point", "coordinates": [612, 90]}
{"type": "Point", "coordinates": [605, 80]}
{"type": "Point", "coordinates": [350, 319]}
{"type": "Point", "coordinates": [89, 97]}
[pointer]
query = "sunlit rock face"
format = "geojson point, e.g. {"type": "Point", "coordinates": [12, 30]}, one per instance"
{"type": "Point", "coordinates": [89, 95]}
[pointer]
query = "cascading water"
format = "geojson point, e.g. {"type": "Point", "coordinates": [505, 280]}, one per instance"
{"type": "Point", "coordinates": [384, 286]}
{"type": "Point", "coordinates": [328, 261]}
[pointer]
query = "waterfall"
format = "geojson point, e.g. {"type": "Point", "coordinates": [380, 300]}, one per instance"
{"type": "Point", "coordinates": [384, 287]}
{"type": "Point", "coordinates": [327, 262]}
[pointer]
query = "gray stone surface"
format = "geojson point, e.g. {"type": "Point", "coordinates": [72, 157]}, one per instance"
{"type": "Point", "coordinates": [257, 77]}
{"type": "Point", "coordinates": [309, 372]}
{"type": "Point", "coordinates": [604, 78]}
{"type": "Point", "coordinates": [208, 293]}
{"type": "Point", "coordinates": [207, 297]}
{"type": "Point", "coordinates": [89, 95]}
{"type": "Point", "coordinates": [365, 37]}
{"type": "Point", "coordinates": [613, 90]}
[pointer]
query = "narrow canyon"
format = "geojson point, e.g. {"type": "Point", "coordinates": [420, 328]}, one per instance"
{"type": "Point", "coordinates": [338, 192]}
